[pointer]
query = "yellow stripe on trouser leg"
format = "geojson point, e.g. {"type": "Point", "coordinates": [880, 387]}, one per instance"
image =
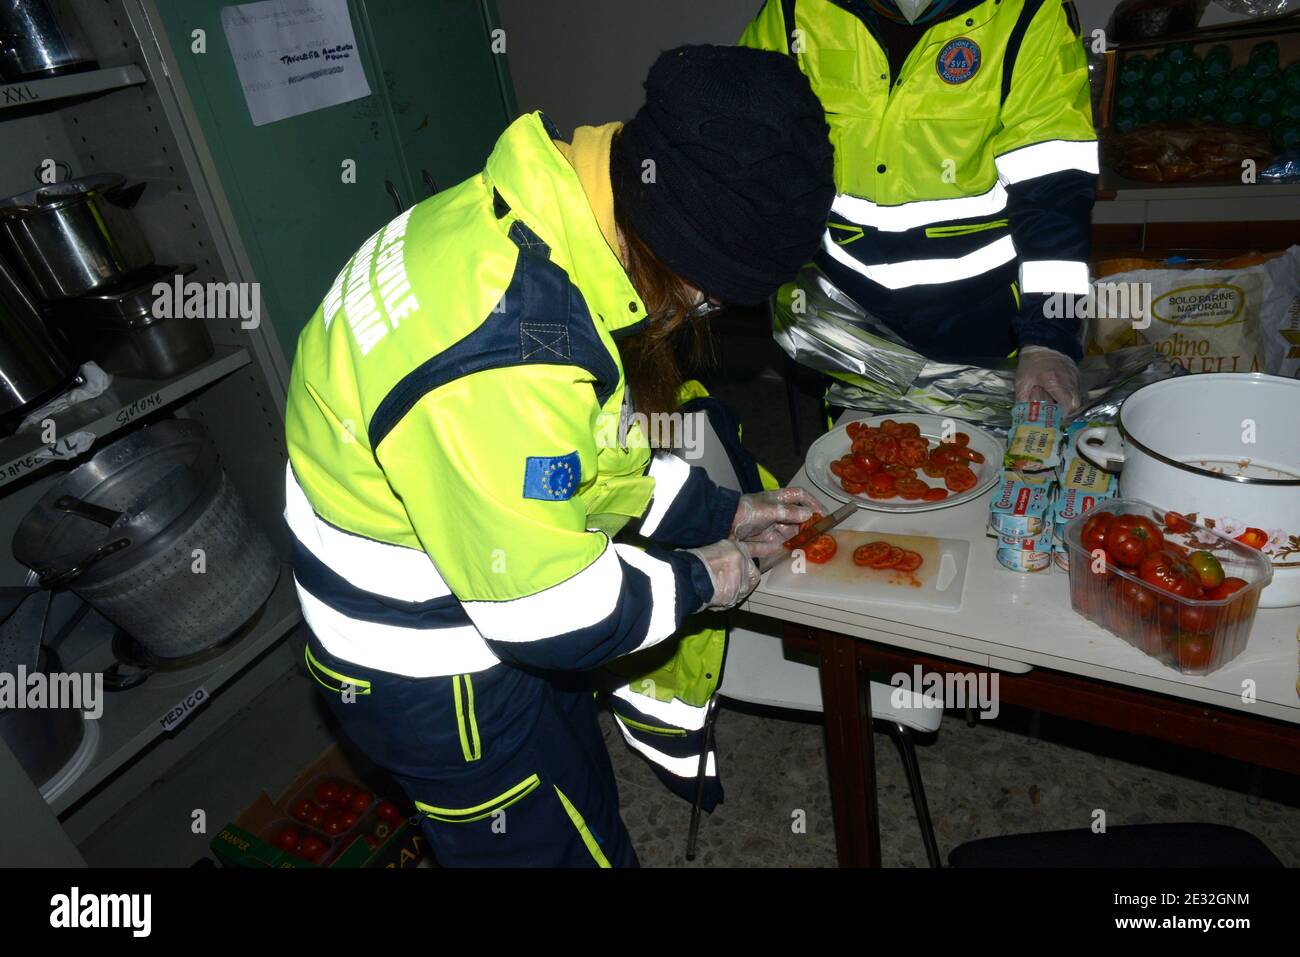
{"type": "Point", "coordinates": [467, 815]}
{"type": "Point", "coordinates": [583, 831]}
{"type": "Point", "coordinates": [469, 743]}
{"type": "Point", "coordinates": [316, 669]}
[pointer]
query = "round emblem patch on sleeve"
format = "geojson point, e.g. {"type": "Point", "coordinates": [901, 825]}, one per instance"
{"type": "Point", "coordinates": [958, 60]}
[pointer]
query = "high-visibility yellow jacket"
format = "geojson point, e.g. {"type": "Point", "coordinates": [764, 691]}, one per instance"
{"type": "Point", "coordinates": [460, 454]}
{"type": "Point", "coordinates": [976, 164]}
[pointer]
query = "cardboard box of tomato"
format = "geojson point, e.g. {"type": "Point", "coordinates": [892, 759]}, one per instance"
{"type": "Point", "coordinates": [370, 840]}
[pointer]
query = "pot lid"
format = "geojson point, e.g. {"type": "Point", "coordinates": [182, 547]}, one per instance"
{"type": "Point", "coordinates": [56, 195]}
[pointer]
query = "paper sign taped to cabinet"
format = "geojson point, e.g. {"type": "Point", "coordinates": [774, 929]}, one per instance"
{"type": "Point", "coordinates": [294, 56]}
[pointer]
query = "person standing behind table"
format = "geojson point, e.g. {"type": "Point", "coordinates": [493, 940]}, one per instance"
{"type": "Point", "coordinates": [966, 165]}
{"type": "Point", "coordinates": [458, 462]}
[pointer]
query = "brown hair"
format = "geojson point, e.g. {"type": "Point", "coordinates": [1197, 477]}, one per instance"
{"type": "Point", "coordinates": [651, 354]}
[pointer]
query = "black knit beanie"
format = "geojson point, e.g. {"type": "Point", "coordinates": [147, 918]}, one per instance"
{"type": "Point", "coordinates": [741, 179]}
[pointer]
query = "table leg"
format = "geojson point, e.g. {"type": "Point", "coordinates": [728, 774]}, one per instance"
{"type": "Point", "coordinates": [846, 704]}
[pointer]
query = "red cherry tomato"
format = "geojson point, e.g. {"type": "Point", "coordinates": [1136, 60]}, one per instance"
{"type": "Point", "coordinates": [935, 494]}
{"type": "Point", "coordinates": [1137, 599]}
{"type": "Point", "coordinates": [853, 428]}
{"type": "Point", "coordinates": [287, 838]}
{"type": "Point", "coordinates": [302, 810]}
{"type": "Point", "coordinates": [327, 792]}
{"type": "Point", "coordinates": [313, 849]}
{"type": "Point", "coordinates": [316, 819]}
{"type": "Point", "coordinates": [346, 793]}
{"type": "Point", "coordinates": [1169, 572]}
{"type": "Point", "coordinates": [889, 427]}
{"type": "Point", "coordinates": [388, 812]}
{"type": "Point", "coordinates": [334, 825]}
{"type": "Point", "coordinates": [1176, 523]}
{"type": "Point", "coordinates": [361, 802]}
{"type": "Point", "coordinates": [348, 819]}
{"type": "Point", "coordinates": [1093, 534]}
{"type": "Point", "coordinates": [1130, 538]}
{"type": "Point", "coordinates": [909, 430]}
{"type": "Point", "coordinates": [1194, 652]}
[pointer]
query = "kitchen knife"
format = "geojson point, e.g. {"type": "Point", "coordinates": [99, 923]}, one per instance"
{"type": "Point", "coordinates": [800, 539]}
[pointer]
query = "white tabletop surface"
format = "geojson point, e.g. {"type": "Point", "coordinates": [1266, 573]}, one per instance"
{"type": "Point", "coordinates": [1013, 622]}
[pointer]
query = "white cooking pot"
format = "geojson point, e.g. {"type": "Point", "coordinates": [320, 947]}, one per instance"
{"type": "Point", "coordinates": [1223, 448]}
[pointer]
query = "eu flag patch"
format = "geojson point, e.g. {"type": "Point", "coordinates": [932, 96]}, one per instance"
{"type": "Point", "coordinates": [552, 478]}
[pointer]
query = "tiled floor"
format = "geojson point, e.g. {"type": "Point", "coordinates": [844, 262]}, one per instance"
{"type": "Point", "coordinates": [994, 778]}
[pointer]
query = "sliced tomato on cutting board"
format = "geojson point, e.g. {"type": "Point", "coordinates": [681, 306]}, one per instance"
{"type": "Point", "coordinates": [901, 569]}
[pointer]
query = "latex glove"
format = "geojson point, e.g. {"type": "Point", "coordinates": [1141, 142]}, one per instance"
{"type": "Point", "coordinates": [761, 516]}
{"type": "Point", "coordinates": [731, 570]}
{"type": "Point", "coordinates": [1044, 373]}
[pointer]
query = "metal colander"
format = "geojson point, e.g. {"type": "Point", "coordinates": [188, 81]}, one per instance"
{"type": "Point", "coordinates": [152, 534]}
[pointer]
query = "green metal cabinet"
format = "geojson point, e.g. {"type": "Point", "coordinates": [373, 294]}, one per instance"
{"type": "Point", "coordinates": [439, 98]}
{"type": "Point", "coordinates": [448, 93]}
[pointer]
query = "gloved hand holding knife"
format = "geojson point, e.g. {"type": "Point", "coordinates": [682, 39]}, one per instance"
{"type": "Point", "coordinates": [763, 523]}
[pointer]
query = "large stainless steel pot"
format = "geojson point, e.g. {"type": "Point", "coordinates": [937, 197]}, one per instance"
{"type": "Point", "coordinates": [1224, 447]}
{"type": "Point", "coordinates": [32, 366]}
{"type": "Point", "coordinates": [152, 534]}
{"type": "Point", "coordinates": [40, 38]}
{"type": "Point", "coordinates": [76, 237]}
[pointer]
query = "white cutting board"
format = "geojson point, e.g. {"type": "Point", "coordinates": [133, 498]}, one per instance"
{"type": "Point", "coordinates": [938, 583]}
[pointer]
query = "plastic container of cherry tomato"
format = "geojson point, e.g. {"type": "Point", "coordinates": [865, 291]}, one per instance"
{"type": "Point", "coordinates": [1193, 636]}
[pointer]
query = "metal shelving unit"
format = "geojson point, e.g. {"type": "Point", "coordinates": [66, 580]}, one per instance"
{"type": "Point", "coordinates": [133, 117]}
{"type": "Point", "coordinates": [36, 94]}
{"type": "Point", "coordinates": [118, 407]}
{"type": "Point", "coordinates": [136, 719]}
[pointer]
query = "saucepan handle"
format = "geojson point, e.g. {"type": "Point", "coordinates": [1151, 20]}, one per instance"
{"type": "Point", "coordinates": [1102, 446]}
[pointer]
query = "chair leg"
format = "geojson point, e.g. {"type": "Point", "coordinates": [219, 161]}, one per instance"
{"type": "Point", "coordinates": [706, 744]}
{"type": "Point", "coordinates": [902, 735]}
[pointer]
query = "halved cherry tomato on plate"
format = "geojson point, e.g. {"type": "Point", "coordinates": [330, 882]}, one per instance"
{"type": "Point", "coordinates": [935, 494]}
{"type": "Point", "coordinates": [886, 449]}
{"type": "Point", "coordinates": [881, 485]}
{"type": "Point", "coordinates": [913, 451]}
{"type": "Point", "coordinates": [911, 488]}
{"type": "Point", "coordinates": [959, 478]}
